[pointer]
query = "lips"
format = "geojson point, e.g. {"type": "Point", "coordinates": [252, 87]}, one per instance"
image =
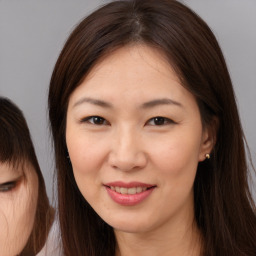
{"type": "Point", "coordinates": [129, 191]}
{"type": "Point", "coordinates": [129, 194]}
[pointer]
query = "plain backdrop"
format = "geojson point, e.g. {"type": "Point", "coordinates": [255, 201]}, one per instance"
{"type": "Point", "coordinates": [32, 33]}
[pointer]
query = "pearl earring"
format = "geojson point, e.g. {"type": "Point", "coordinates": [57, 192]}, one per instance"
{"type": "Point", "coordinates": [207, 156]}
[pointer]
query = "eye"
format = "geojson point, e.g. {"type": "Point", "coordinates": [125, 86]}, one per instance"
{"type": "Point", "coordinates": [8, 186]}
{"type": "Point", "coordinates": [159, 120]}
{"type": "Point", "coordinates": [97, 120]}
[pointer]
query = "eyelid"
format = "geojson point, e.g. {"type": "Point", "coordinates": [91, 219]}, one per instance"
{"type": "Point", "coordinates": [9, 185]}
{"type": "Point", "coordinates": [103, 121]}
{"type": "Point", "coordinates": [87, 120]}
{"type": "Point", "coordinates": [167, 121]}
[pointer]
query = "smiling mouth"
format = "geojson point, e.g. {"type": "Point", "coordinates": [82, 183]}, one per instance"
{"type": "Point", "coordinates": [128, 191]}
{"type": "Point", "coordinates": [129, 194]}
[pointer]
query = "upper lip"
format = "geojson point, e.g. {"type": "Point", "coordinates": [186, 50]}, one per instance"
{"type": "Point", "coordinates": [128, 184]}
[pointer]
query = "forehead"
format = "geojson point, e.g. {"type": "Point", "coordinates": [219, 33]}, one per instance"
{"type": "Point", "coordinates": [132, 59]}
{"type": "Point", "coordinates": [10, 171]}
{"type": "Point", "coordinates": [9, 167]}
{"type": "Point", "coordinates": [17, 167]}
{"type": "Point", "coordinates": [134, 72]}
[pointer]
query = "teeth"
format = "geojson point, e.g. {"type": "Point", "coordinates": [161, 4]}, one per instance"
{"type": "Point", "coordinates": [128, 191]}
{"type": "Point", "coordinates": [123, 190]}
{"type": "Point", "coordinates": [139, 189]}
{"type": "Point", "coordinates": [131, 191]}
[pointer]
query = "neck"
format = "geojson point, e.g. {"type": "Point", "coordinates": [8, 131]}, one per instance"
{"type": "Point", "coordinates": [180, 240]}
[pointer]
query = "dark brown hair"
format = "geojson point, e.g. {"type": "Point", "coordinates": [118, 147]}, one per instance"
{"type": "Point", "coordinates": [16, 148]}
{"type": "Point", "coordinates": [224, 209]}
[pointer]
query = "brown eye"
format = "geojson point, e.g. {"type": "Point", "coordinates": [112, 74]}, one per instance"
{"type": "Point", "coordinates": [97, 120]}
{"type": "Point", "coordinates": [8, 186]}
{"type": "Point", "coordinates": [159, 120]}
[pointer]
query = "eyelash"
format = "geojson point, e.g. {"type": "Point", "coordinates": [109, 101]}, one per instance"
{"type": "Point", "coordinates": [98, 120]}
{"type": "Point", "coordinates": [162, 121]}
{"type": "Point", "coordinates": [8, 186]}
{"type": "Point", "coordinates": [95, 119]}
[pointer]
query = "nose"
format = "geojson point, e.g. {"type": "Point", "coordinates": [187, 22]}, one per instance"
{"type": "Point", "coordinates": [127, 151]}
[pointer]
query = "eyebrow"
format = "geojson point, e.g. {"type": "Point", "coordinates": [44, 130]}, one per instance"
{"type": "Point", "coordinates": [149, 104]}
{"type": "Point", "coordinates": [163, 101]}
{"type": "Point", "coordinates": [96, 102]}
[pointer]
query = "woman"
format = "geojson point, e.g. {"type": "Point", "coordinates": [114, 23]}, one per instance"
{"type": "Point", "coordinates": [25, 213]}
{"type": "Point", "coordinates": [150, 152]}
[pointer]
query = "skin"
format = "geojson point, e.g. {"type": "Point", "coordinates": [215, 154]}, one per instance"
{"type": "Point", "coordinates": [18, 206]}
{"type": "Point", "coordinates": [128, 145]}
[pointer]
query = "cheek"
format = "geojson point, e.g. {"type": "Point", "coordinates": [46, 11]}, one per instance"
{"type": "Point", "coordinates": [16, 219]}
{"type": "Point", "coordinates": [86, 153]}
{"type": "Point", "coordinates": [176, 162]}
{"type": "Point", "coordinates": [177, 154]}
{"type": "Point", "coordinates": [87, 156]}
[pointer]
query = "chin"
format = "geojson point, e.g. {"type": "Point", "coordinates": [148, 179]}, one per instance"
{"type": "Point", "coordinates": [133, 225]}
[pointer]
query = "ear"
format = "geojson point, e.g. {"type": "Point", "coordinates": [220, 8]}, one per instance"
{"type": "Point", "coordinates": [209, 137]}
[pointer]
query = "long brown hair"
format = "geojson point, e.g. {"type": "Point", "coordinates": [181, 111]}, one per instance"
{"type": "Point", "coordinates": [224, 209]}
{"type": "Point", "coordinates": [16, 148]}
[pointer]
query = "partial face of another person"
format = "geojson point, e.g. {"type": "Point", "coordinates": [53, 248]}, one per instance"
{"type": "Point", "coordinates": [135, 137]}
{"type": "Point", "coordinates": [18, 200]}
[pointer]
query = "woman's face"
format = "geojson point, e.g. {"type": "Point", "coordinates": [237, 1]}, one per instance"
{"type": "Point", "coordinates": [18, 200]}
{"type": "Point", "coordinates": [135, 138]}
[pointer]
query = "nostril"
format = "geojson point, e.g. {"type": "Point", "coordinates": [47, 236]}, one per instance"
{"type": "Point", "coordinates": [127, 160]}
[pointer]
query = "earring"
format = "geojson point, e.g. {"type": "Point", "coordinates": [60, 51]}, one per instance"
{"type": "Point", "coordinates": [207, 156]}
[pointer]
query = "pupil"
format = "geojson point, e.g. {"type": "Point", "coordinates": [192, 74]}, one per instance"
{"type": "Point", "coordinates": [159, 120]}
{"type": "Point", "coordinates": [98, 120]}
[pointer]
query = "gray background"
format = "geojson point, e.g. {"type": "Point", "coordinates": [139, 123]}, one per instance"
{"type": "Point", "coordinates": [32, 33]}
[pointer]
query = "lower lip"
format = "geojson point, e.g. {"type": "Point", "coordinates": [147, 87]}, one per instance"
{"type": "Point", "coordinates": [129, 200]}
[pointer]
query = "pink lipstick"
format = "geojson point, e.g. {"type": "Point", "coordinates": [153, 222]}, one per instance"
{"type": "Point", "coordinates": [129, 194]}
